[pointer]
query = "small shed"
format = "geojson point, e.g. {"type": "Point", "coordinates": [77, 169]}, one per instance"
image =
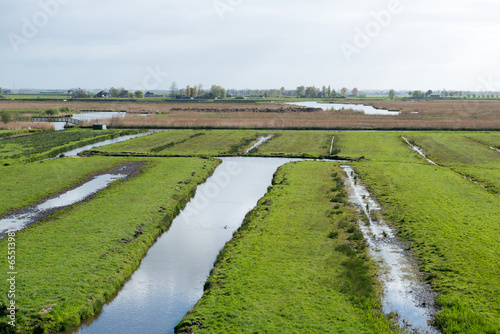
{"type": "Point", "coordinates": [99, 127]}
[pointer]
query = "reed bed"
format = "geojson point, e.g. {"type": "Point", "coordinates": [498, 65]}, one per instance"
{"type": "Point", "coordinates": [26, 125]}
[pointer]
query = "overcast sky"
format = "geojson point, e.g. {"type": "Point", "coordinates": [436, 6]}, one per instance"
{"type": "Point", "coordinates": [148, 44]}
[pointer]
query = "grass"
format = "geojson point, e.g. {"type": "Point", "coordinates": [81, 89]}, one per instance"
{"type": "Point", "coordinates": [9, 133]}
{"type": "Point", "coordinates": [467, 153]}
{"type": "Point", "coordinates": [71, 263]}
{"type": "Point", "coordinates": [50, 144]}
{"type": "Point", "coordinates": [23, 185]}
{"type": "Point", "coordinates": [187, 143]}
{"type": "Point", "coordinates": [379, 146]}
{"type": "Point", "coordinates": [453, 226]}
{"type": "Point", "coordinates": [286, 272]}
{"type": "Point", "coordinates": [297, 143]}
{"type": "Point", "coordinates": [151, 143]}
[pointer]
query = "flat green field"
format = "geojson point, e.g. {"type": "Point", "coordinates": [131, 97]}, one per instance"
{"type": "Point", "coordinates": [154, 143]}
{"type": "Point", "coordinates": [379, 146]}
{"type": "Point", "coordinates": [453, 225]}
{"type": "Point", "coordinates": [50, 144]}
{"type": "Point", "coordinates": [188, 143]}
{"type": "Point", "coordinates": [297, 143]}
{"type": "Point", "coordinates": [466, 153]}
{"type": "Point", "coordinates": [23, 185]}
{"type": "Point", "coordinates": [72, 262]}
{"type": "Point", "coordinates": [293, 267]}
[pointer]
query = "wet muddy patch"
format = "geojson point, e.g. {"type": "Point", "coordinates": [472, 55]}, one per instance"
{"type": "Point", "coordinates": [405, 294]}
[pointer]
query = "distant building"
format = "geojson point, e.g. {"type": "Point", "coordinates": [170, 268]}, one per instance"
{"type": "Point", "coordinates": [7, 91]}
{"type": "Point", "coordinates": [149, 94]}
{"type": "Point", "coordinates": [102, 94]}
{"type": "Point", "coordinates": [435, 97]}
{"type": "Point", "coordinates": [99, 127]}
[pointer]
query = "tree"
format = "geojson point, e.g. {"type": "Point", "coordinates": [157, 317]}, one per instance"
{"type": "Point", "coordinates": [188, 91]}
{"type": "Point", "coordinates": [329, 91]}
{"type": "Point", "coordinates": [282, 91]}
{"type": "Point", "coordinates": [173, 89]}
{"type": "Point", "coordinates": [429, 93]}
{"type": "Point", "coordinates": [344, 91]}
{"type": "Point", "coordinates": [311, 92]}
{"type": "Point", "coordinates": [217, 92]}
{"type": "Point", "coordinates": [6, 117]}
{"type": "Point", "coordinates": [417, 94]}
{"type": "Point", "coordinates": [139, 94]}
{"type": "Point", "coordinates": [52, 112]}
{"type": "Point", "coordinates": [355, 92]}
{"type": "Point", "coordinates": [113, 92]}
{"type": "Point", "coordinates": [194, 92]}
{"type": "Point", "coordinates": [80, 94]}
{"type": "Point", "coordinates": [65, 110]}
{"type": "Point", "coordinates": [301, 91]}
{"type": "Point", "coordinates": [200, 89]}
{"type": "Point", "coordinates": [1, 90]}
{"type": "Point", "coordinates": [392, 94]}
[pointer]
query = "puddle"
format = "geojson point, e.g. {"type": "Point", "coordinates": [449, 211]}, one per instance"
{"type": "Point", "coordinates": [419, 151]}
{"type": "Point", "coordinates": [27, 216]}
{"type": "Point", "coordinates": [261, 141]}
{"type": "Point", "coordinates": [404, 291]}
{"type": "Point", "coordinates": [331, 146]}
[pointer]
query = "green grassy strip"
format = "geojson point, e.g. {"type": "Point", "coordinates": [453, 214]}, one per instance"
{"type": "Point", "coordinates": [465, 153]}
{"type": "Point", "coordinates": [453, 226]}
{"type": "Point", "coordinates": [50, 144]}
{"type": "Point", "coordinates": [171, 144]}
{"type": "Point", "coordinates": [213, 143]}
{"type": "Point", "coordinates": [297, 265]}
{"type": "Point", "coordinates": [23, 185]}
{"type": "Point", "coordinates": [297, 143]}
{"type": "Point", "coordinates": [147, 144]}
{"type": "Point", "coordinates": [380, 146]}
{"type": "Point", "coordinates": [70, 264]}
{"type": "Point", "coordinates": [10, 133]}
{"type": "Point", "coordinates": [185, 143]}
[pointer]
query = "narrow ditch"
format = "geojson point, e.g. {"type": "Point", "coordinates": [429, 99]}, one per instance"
{"type": "Point", "coordinates": [261, 141]}
{"type": "Point", "coordinates": [419, 151]}
{"type": "Point", "coordinates": [405, 293]}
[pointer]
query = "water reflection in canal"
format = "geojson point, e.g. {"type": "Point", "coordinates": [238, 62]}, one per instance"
{"type": "Point", "coordinates": [170, 278]}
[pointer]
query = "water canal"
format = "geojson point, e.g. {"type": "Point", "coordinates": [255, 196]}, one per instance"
{"type": "Point", "coordinates": [171, 277]}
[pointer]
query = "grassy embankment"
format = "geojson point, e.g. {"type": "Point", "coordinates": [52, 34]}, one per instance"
{"type": "Point", "coordinates": [50, 144]}
{"type": "Point", "coordinates": [23, 185]}
{"type": "Point", "coordinates": [466, 153]}
{"type": "Point", "coordinates": [72, 262]}
{"type": "Point", "coordinates": [451, 223]}
{"type": "Point", "coordinates": [298, 264]}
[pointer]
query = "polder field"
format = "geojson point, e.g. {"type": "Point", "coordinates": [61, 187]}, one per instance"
{"type": "Point", "coordinates": [298, 263]}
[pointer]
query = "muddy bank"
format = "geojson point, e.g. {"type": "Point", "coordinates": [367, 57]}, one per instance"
{"type": "Point", "coordinates": [78, 193]}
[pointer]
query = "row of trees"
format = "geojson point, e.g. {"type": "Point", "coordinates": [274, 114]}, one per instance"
{"type": "Point", "coordinates": [417, 95]}
{"type": "Point", "coordinates": [326, 92]}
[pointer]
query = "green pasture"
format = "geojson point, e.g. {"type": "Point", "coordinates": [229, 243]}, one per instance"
{"type": "Point", "coordinates": [297, 265]}
{"type": "Point", "coordinates": [50, 144]}
{"type": "Point", "coordinates": [71, 263]}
